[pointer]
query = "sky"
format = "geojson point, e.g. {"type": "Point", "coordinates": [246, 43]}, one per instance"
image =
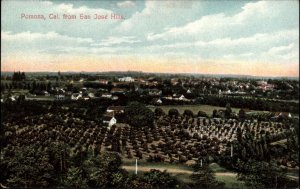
{"type": "Point", "coordinates": [259, 38]}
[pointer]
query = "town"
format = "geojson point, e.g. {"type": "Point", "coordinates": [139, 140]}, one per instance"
{"type": "Point", "coordinates": [162, 120]}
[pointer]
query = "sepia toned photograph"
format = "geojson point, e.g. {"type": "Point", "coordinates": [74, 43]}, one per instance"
{"type": "Point", "coordinates": [149, 94]}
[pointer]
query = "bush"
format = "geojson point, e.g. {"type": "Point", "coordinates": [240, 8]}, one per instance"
{"type": "Point", "coordinates": [202, 114]}
{"type": "Point", "coordinates": [174, 112]}
{"type": "Point", "coordinates": [159, 179]}
{"type": "Point", "coordinates": [159, 112]}
{"type": "Point", "coordinates": [188, 113]}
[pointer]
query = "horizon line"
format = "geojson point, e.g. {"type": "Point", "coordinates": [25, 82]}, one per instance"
{"type": "Point", "coordinates": [169, 73]}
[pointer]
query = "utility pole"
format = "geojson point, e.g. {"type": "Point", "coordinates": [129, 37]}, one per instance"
{"type": "Point", "coordinates": [136, 168]}
{"type": "Point", "coordinates": [231, 154]}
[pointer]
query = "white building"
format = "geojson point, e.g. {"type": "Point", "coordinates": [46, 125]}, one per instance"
{"type": "Point", "coordinates": [91, 95]}
{"type": "Point", "coordinates": [60, 97]}
{"type": "Point", "coordinates": [159, 101]}
{"type": "Point", "coordinates": [106, 95]}
{"type": "Point", "coordinates": [126, 79]}
{"type": "Point", "coordinates": [110, 122]}
{"type": "Point", "coordinates": [76, 96]}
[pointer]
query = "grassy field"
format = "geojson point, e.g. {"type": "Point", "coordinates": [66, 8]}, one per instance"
{"type": "Point", "coordinates": [195, 108]}
{"type": "Point", "coordinates": [41, 98]}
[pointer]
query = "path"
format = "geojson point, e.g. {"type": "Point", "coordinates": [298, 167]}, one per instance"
{"type": "Point", "coordinates": [182, 171]}
{"type": "Point", "coordinates": [173, 170]}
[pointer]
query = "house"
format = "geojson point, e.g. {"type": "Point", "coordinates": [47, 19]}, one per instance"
{"type": "Point", "coordinates": [240, 92]}
{"type": "Point", "coordinates": [284, 115]}
{"type": "Point", "coordinates": [126, 79]}
{"type": "Point", "coordinates": [177, 97]}
{"type": "Point", "coordinates": [154, 92]}
{"type": "Point", "coordinates": [157, 101]}
{"type": "Point", "coordinates": [91, 95]}
{"type": "Point", "coordinates": [109, 120]}
{"type": "Point", "coordinates": [168, 97]}
{"type": "Point", "coordinates": [151, 84]}
{"type": "Point", "coordinates": [103, 81]}
{"type": "Point", "coordinates": [46, 93]}
{"type": "Point", "coordinates": [60, 97]}
{"type": "Point", "coordinates": [60, 91]}
{"type": "Point", "coordinates": [188, 91]}
{"type": "Point", "coordinates": [261, 82]}
{"type": "Point", "coordinates": [12, 98]}
{"type": "Point", "coordinates": [174, 81]}
{"type": "Point", "coordinates": [118, 91]}
{"type": "Point", "coordinates": [76, 96]}
{"type": "Point", "coordinates": [112, 121]}
{"type": "Point", "coordinates": [115, 98]}
{"type": "Point", "coordinates": [182, 98]}
{"type": "Point", "coordinates": [227, 92]}
{"type": "Point", "coordinates": [115, 109]}
{"type": "Point", "coordinates": [106, 95]}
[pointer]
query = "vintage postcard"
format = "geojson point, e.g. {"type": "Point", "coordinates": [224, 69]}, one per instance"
{"type": "Point", "coordinates": [149, 94]}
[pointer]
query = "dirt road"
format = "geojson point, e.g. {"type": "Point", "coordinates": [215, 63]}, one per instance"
{"type": "Point", "coordinates": [180, 171]}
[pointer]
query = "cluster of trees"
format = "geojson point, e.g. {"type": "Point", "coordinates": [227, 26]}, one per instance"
{"type": "Point", "coordinates": [251, 103]}
{"type": "Point", "coordinates": [138, 114]}
{"type": "Point", "coordinates": [261, 174]}
{"type": "Point", "coordinates": [33, 87]}
{"type": "Point", "coordinates": [28, 167]}
{"type": "Point", "coordinates": [18, 76]}
{"type": "Point", "coordinates": [97, 85]}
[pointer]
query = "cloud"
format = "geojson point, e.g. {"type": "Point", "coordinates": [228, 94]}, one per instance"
{"type": "Point", "coordinates": [253, 17]}
{"type": "Point", "coordinates": [259, 31]}
{"type": "Point", "coordinates": [54, 43]}
{"type": "Point", "coordinates": [33, 42]}
{"type": "Point", "coordinates": [288, 53]}
{"type": "Point", "coordinates": [70, 9]}
{"type": "Point", "coordinates": [126, 4]}
{"type": "Point", "coordinates": [91, 28]}
{"type": "Point", "coordinates": [110, 51]}
{"type": "Point", "coordinates": [205, 24]}
{"type": "Point", "coordinates": [281, 49]}
{"type": "Point", "coordinates": [260, 46]}
{"type": "Point", "coordinates": [159, 14]}
{"type": "Point", "coordinates": [28, 37]}
{"type": "Point", "coordinates": [117, 40]}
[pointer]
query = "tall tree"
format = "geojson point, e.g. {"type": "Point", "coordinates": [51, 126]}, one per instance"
{"type": "Point", "coordinates": [204, 177]}
{"type": "Point", "coordinates": [228, 111]}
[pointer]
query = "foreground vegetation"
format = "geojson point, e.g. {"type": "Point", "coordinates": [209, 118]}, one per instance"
{"type": "Point", "coordinates": [66, 143]}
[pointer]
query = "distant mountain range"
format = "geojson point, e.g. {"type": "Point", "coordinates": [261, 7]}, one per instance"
{"type": "Point", "coordinates": [140, 73]}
